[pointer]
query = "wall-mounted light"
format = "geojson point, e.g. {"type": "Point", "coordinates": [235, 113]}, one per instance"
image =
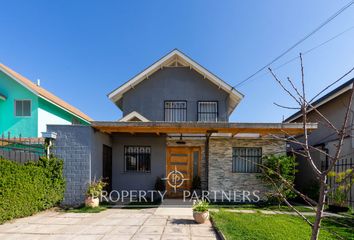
{"type": "Point", "coordinates": [180, 141]}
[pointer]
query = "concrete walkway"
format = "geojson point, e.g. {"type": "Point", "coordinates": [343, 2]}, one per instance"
{"type": "Point", "coordinates": [161, 223]}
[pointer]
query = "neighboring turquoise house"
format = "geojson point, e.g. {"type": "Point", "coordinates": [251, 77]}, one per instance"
{"type": "Point", "coordinates": [26, 108]}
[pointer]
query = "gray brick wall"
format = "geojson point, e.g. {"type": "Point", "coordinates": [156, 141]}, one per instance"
{"type": "Point", "coordinates": [73, 145]}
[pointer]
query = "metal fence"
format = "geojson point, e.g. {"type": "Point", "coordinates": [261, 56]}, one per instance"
{"type": "Point", "coordinates": [341, 166]}
{"type": "Point", "coordinates": [21, 149]}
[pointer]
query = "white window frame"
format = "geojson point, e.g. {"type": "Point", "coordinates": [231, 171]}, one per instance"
{"type": "Point", "coordinates": [30, 107]}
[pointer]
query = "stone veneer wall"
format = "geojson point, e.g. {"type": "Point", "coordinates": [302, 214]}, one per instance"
{"type": "Point", "coordinates": [221, 176]}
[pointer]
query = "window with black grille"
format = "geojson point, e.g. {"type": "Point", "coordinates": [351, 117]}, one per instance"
{"type": "Point", "coordinates": [137, 158]}
{"type": "Point", "coordinates": [207, 111]}
{"type": "Point", "coordinates": [175, 111]}
{"type": "Point", "coordinates": [246, 159]}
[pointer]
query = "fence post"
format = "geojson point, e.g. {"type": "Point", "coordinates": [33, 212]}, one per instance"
{"type": "Point", "coordinates": [49, 138]}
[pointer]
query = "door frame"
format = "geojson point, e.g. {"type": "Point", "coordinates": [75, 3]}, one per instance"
{"type": "Point", "coordinates": [192, 149]}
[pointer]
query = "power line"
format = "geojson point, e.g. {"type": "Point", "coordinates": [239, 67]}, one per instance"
{"type": "Point", "coordinates": [304, 53]}
{"type": "Point", "coordinates": [300, 41]}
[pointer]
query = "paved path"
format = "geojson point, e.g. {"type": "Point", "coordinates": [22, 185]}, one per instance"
{"type": "Point", "coordinates": [160, 223]}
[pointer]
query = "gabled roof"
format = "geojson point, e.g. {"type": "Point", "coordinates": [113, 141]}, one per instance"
{"type": "Point", "coordinates": [41, 92]}
{"type": "Point", "coordinates": [326, 98]}
{"type": "Point", "coordinates": [132, 116]}
{"type": "Point", "coordinates": [178, 59]}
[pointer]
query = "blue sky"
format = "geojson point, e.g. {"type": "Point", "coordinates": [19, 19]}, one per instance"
{"type": "Point", "coordinates": [81, 50]}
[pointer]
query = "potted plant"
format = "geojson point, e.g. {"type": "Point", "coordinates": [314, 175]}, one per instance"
{"type": "Point", "coordinates": [93, 193]}
{"type": "Point", "coordinates": [201, 211]}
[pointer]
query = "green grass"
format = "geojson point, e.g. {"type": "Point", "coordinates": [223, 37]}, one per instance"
{"type": "Point", "coordinates": [273, 227]}
{"type": "Point", "coordinates": [87, 209]}
{"type": "Point", "coordinates": [282, 208]}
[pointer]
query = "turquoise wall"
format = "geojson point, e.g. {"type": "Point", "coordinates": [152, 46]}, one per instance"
{"type": "Point", "coordinates": [26, 126]}
{"type": "Point", "coordinates": [53, 109]}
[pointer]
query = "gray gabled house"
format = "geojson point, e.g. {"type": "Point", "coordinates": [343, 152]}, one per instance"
{"type": "Point", "coordinates": [333, 106]}
{"type": "Point", "coordinates": [175, 118]}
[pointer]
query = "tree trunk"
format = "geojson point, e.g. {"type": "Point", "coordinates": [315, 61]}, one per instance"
{"type": "Point", "coordinates": [320, 207]}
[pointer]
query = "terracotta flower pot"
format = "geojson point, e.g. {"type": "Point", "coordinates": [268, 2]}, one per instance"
{"type": "Point", "coordinates": [92, 202]}
{"type": "Point", "coordinates": [201, 217]}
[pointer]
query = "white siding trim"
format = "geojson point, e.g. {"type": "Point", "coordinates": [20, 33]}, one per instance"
{"type": "Point", "coordinates": [45, 117]}
{"type": "Point", "coordinates": [133, 115]}
{"type": "Point", "coordinates": [235, 96]}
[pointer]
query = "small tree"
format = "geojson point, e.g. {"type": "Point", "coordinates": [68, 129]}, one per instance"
{"type": "Point", "coordinates": [304, 148]}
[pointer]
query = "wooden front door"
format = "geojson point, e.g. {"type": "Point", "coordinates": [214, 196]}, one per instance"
{"type": "Point", "coordinates": [182, 163]}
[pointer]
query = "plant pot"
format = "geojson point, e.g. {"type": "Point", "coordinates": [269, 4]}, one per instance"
{"type": "Point", "coordinates": [92, 202]}
{"type": "Point", "coordinates": [337, 209]}
{"type": "Point", "coordinates": [201, 217]}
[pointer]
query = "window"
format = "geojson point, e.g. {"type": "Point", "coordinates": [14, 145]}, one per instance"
{"type": "Point", "coordinates": [137, 158]}
{"type": "Point", "coordinates": [175, 111]}
{"type": "Point", "coordinates": [207, 111]}
{"type": "Point", "coordinates": [22, 108]}
{"type": "Point", "coordinates": [245, 160]}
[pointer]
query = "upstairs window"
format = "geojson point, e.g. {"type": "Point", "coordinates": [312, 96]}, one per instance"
{"type": "Point", "coordinates": [137, 158]}
{"type": "Point", "coordinates": [207, 111]}
{"type": "Point", "coordinates": [22, 108]}
{"type": "Point", "coordinates": [175, 111]}
{"type": "Point", "coordinates": [246, 159]}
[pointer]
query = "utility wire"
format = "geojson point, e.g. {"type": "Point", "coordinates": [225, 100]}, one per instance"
{"type": "Point", "coordinates": [304, 53]}
{"type": "Point", "coordinates": [300, 41]}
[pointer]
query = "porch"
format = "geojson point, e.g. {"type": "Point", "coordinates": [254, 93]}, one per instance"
{"type": "Point", "coordinates": [134, 154]}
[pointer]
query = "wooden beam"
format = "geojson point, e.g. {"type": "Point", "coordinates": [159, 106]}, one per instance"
{"type": "Point", "coordinates": [234, 131]}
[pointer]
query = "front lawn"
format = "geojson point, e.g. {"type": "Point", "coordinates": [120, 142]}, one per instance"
{"type": "Point", "coordinates": [283, 227]}
{"type": "Point", "coordinates": [257, 207]}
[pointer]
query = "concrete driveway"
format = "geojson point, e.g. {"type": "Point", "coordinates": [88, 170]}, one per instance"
{"type": "Point", "coordinates": [160, 223]}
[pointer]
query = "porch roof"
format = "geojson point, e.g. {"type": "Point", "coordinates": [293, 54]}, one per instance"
{"type": "Point", "coordinates": [200, 128]}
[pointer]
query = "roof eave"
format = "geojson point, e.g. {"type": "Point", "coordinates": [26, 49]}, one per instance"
{"type": "Point", "coordinates": [117, 94]}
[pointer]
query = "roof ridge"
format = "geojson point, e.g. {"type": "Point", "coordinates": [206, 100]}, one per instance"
{"type": "Point", "coordinates": [47, 95]}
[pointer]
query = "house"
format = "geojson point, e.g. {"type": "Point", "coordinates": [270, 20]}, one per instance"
{"type": "Point", "coordinates": [333, 106]}
{"type": "Point", "coordinates": [26, 108]}
{"type": "Point", "coordinates": [175, 126]}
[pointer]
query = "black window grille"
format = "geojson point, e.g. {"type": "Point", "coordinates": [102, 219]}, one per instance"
{"type": "Point", "coordinates": [175, 111]}
{"type": "Point", "coordinates": [246, 159]}
{"type": "Point", "coordinates": [207, 111]}
{"type": "Point", "coordinates": [137, 158]}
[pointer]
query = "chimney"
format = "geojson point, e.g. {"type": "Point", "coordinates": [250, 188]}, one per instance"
{"type": "Point", "coordinates": [38, 82]}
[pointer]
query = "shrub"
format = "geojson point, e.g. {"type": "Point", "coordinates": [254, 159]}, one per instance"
{"type": "Point", "coordinates": [28, 188]}
{"type": "Point", "coordinates": [159, 184]}
{"type": "Point", "coordinates": [276, 169]}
